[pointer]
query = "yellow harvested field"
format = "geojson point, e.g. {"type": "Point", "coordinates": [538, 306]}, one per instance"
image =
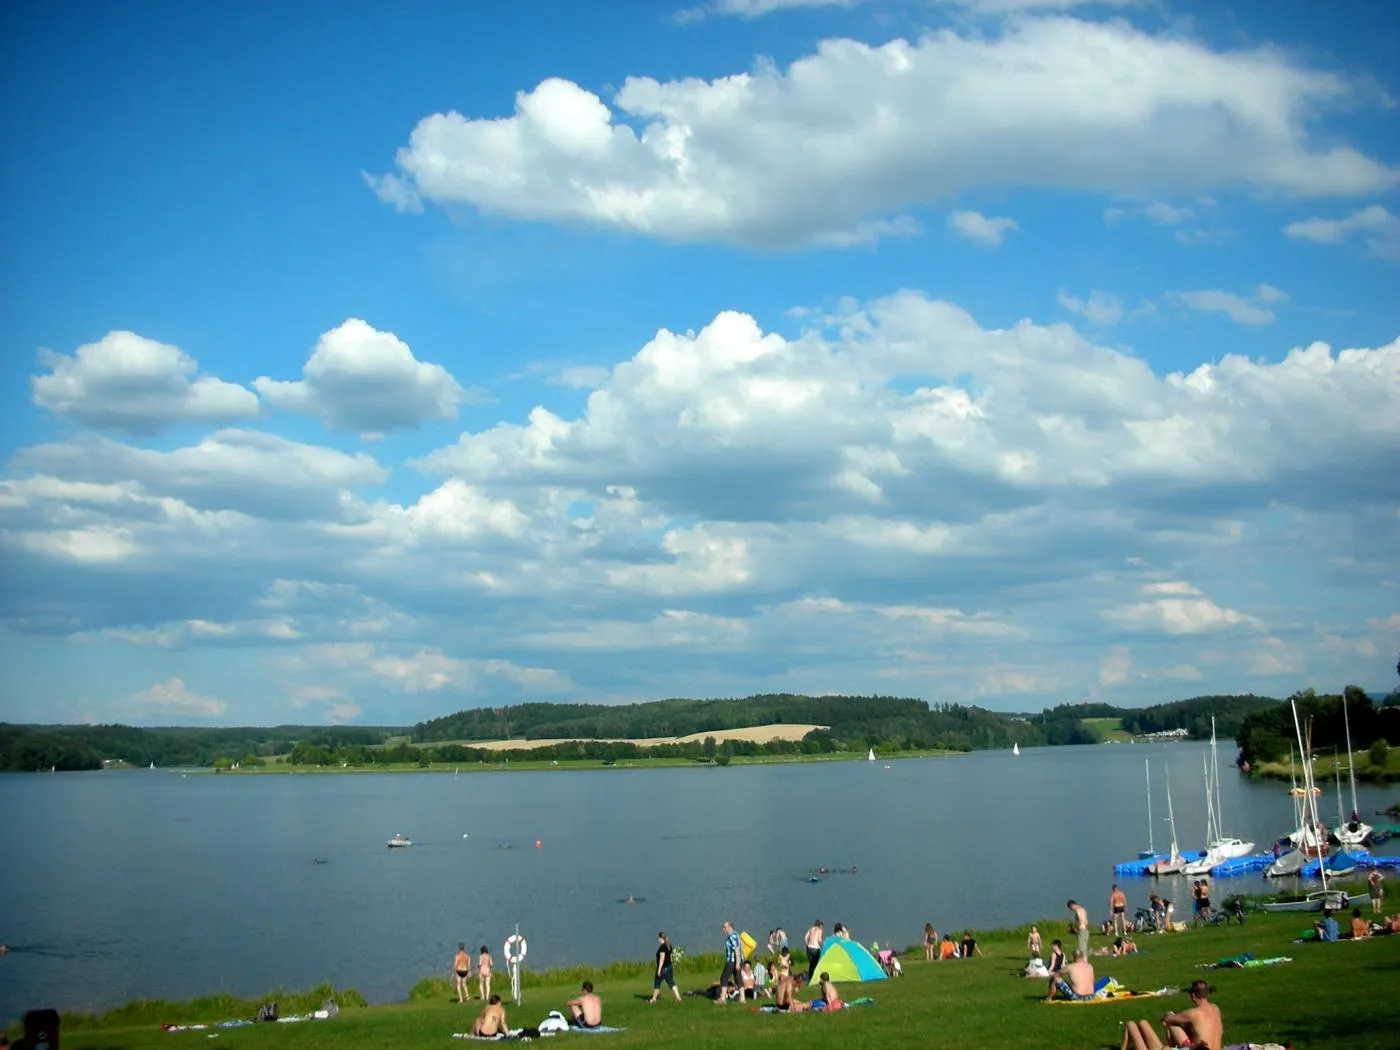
{"type": "Point", "coordinates": [757, 734]}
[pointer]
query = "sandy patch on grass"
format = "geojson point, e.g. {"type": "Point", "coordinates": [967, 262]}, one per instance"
{"type": "Point", "coordinates": [757, 734]}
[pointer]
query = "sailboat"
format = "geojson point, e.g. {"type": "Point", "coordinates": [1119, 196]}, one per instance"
{"type": "Point", "coordinates": [1355, 832]}
{"type": "Point", "coordinates": [1333, 899]}
{"type": "Point", "coordinates": [870, 757]}
{"type": "Point", "coordinates": [1305, 841]}
{"type": "Point", "coordinates": [1015, 748]}
{"type": "Point", "coordinates": [1145, 854]}
{"type": "Point", "coordinates": [1219, 847]}
{"type": "Point", "coordinates": [1173, 862]}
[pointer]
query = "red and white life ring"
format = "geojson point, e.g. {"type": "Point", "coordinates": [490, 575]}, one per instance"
{"type": "Point", "coordinates": [515, 950]}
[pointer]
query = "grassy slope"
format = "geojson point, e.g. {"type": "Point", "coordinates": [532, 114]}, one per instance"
{"type": "Point", "coordinates": [1322, 769]}
{"type": "Point", "coordinates": [1339, 995]}
{"type": "Point", "coordinates": [1107, 729]}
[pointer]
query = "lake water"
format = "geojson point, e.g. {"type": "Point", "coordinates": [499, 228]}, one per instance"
{"type": "Point", "coordinates": [135, 884]}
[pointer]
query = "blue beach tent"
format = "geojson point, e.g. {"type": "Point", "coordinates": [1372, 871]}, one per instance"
{"type": "Point", "coordinates": [847, 962]}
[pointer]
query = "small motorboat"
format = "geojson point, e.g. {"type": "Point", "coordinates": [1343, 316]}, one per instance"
{"type": "Point", "coordinates": [399, 842]}
{"type": "Point", "coordinates": [1332, 900]}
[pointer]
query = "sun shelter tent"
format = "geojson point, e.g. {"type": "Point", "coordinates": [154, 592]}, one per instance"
{"type": "Point", "coordinates": [847, 963]}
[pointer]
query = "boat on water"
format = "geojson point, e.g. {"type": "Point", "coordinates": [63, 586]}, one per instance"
{"type": "Point", "coordinates": [1150, 851]}
{"type": "Point", "coordinates": [399, 842]}
{"type": "Point", "coordinates": [1219, 846]}
{"type": "Point", "coordinates": [870, 757]}
{"type": "Point", "coordinates": [1173, 862]}
{"type": "Point", "coordinates": [1015, 748]}
{"type": "Point", "coordinates": [1354, 832]}
{"type": "Point", "coordinates": [1332, 900]}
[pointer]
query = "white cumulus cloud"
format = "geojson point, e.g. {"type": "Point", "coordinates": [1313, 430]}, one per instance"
{"type": "Point", "coordinates": [1376, 225]}
{"type": "Point", "coordinates": [1101, 308]}
{"type": "Point", "coordinates": [854, 135]}
{"type": "Point", "coordinates": [988, 231]}
{"type": "Point", "coordinates": [367, 381]}
{"type": "Point", "coordinates": [173, 699]}
{"type": "Point", "coordinates": [127, 382]}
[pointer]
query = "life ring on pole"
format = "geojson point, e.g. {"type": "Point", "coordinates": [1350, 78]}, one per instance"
{"type": "Point", "coordinates": [515, 950]}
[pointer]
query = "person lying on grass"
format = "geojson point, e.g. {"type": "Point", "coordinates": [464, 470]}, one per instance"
{"type": "Point", "coordinates": [1198, 1028]}
{"type": "Point", "coordinates": [1075, 981]}
{"type": "Point", "coordinates": [587, 1010]}
{"type": "Point", "coordinates": [492, 1020]}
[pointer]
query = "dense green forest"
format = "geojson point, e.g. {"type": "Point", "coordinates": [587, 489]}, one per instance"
{"type": "Point", "coordinates": [1267, 735]}
{"type": "Point", "coordinates": [27, 748]}
{"type": "Point", "coordinates": [888, 724]}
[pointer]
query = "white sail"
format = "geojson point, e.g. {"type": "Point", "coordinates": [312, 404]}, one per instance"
{"type": "Point", "coordinates": [1015, 749]}
{"type": "Point", "coordinates": [1354, 832]}
{"type": "Point", "coordinates": [871, 757]}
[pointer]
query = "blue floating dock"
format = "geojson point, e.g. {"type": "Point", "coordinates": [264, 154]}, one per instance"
{"type": "Point", "coordinates": [1242, 865]}
{"type": "Point", "coordinates": [1140, 866]}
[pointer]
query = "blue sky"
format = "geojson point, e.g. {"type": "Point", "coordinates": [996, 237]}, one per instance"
{"type": "Point", "coordinates": [362, 364]}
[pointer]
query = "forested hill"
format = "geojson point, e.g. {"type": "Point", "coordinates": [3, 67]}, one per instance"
{"type": "Point", "coordinates": [855, 723]}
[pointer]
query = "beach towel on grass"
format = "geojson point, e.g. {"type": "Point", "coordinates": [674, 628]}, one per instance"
{"type": "Point", "coordinates": [864, 1001]}
{"type": "Point", "coordinates": [601, 1029]}
{"type": "Point", "coordinates": [1108, 990]}
{"type": "Point", "coordinates": [1244, 961]}
{"type": "Point", "coordinates": [1257, 1046]}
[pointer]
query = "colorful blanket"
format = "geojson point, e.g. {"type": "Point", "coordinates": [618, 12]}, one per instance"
{"type": "Point", "coordinates": [1108, 990]}
{"type": "Point", "coordinates": [1243, 961]}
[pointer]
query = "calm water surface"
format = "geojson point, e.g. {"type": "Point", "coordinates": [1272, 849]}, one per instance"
{"type": "Point", "coordinates": [135, 884]}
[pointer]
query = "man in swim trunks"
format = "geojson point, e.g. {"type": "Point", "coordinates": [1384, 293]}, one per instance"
{"type": "Point", "coordinates": [1198, 1028]}
{"type": "Point", "coordinates": [461, 969]}
{"type": "Point", "coordinates": [1075, 981]}
{"type": "Point", "coordinates": [492, 1020]}
{"type": "Point", "coordinates": [1079, 927]}
{"type": "Point", "coordinates": [587, 1010]}
{"type": "Point", "coordinates": [1118, 908]}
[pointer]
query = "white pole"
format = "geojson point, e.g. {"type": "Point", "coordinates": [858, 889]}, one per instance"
{"type": "Point", "coordinates": [1147, 768]}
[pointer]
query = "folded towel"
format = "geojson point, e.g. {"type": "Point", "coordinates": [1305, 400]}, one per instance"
{"type": "Point", "coordinates": [602, 1029]}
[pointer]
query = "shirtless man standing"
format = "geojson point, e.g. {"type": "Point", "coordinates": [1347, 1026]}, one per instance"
{"type": "Point", "coordinates": [587, 1010]}
{"type": "Point", "coordinates": [1075, 981]}
{"type": "Point", "coordinates": [492, 1021]}
{"type": "Point", "coordinates": [816, 933]}
{"type": "Point", "coordinates": [1080, 927]}
{"type": "Point", "coordinates": [1198, 1028]}
{"type": "Point", "coordinates": [461, 970]}
{"type": "Point", "coordinates": [1118, 908]}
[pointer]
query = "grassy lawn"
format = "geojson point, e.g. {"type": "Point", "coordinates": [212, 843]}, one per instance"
{"type": "Point", "coordinates": [1107, 729]}
{"type": "Point", "coordinates": [1335, 995]}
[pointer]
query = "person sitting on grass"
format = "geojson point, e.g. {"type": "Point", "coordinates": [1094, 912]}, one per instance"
{"type": "Point", "coordinates": [1198, 1028]}
{"type": "Point", "coordinates": [1057, 957]}
{"type": "Point", "coordinates": [1326, 926]}
{"type": "Point", "coordinates": [1359, 926]}
{"type": "Point", "coordinates": [1075, 981]}
{"type": "Point", "coordinates": [947, 948]}
{"type": "Point", "coordinates": [746, 990]}
{"type": "Point", "coordinates": [587, 1010]}
{"type": "Point", "coordinates": [969, 948]}
{"type": "Point", "coordinates": [786, 1000]}
{"type": "Point", "coordinates": [830, 997]}
{"type": "Point", "coordinates": [492, 1021]}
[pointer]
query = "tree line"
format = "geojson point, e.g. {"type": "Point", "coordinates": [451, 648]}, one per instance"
{"type": "Point", "coordinates": [854, 723]}
{"type": "Point", "coordinates": [1267, 735]}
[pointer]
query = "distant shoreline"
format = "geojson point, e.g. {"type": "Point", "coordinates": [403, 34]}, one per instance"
{"type": "Point", "coordinates": [550, 765]}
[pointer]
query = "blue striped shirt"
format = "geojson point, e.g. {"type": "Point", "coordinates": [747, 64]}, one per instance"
{"type": "Point", "coordinates": [731, 947]}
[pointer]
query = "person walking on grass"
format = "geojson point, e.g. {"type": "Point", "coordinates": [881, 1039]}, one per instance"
{"type": "Point", "coordinates": [930, 941]}
{"type": "Point", "coordinates": [732, 951]}
{"type": "Point", "coordinates": [461, 971]}
{"type": "Point", "coordinates": [1373, 886]}
{"type": "Point", "coordinates": [813, 941]}
{"type": "Point", "coordinates": [483, 972]}
{"type": "Point", "coordinates": [1079, 926]}
{"type": "Point", "coordinates": [663, 968]}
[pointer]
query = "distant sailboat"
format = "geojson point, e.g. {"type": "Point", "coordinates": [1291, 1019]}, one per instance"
{"type": "Point", "coordinates": [870, 757]}
{"type": "Point", "coordinates": [1015, 749]}
{"type": "Point", "coordinates": [1353, 833]}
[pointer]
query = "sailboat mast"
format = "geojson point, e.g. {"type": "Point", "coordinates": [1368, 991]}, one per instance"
{"type": "Point", "coordinates": [1215, 762]}
{"type": "Point", "coordinates": [1351, 764]}
{"type": "Point", "coordinates": [1147, 768]}
{"type": "Point", "coordinates": [1171, 816]}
